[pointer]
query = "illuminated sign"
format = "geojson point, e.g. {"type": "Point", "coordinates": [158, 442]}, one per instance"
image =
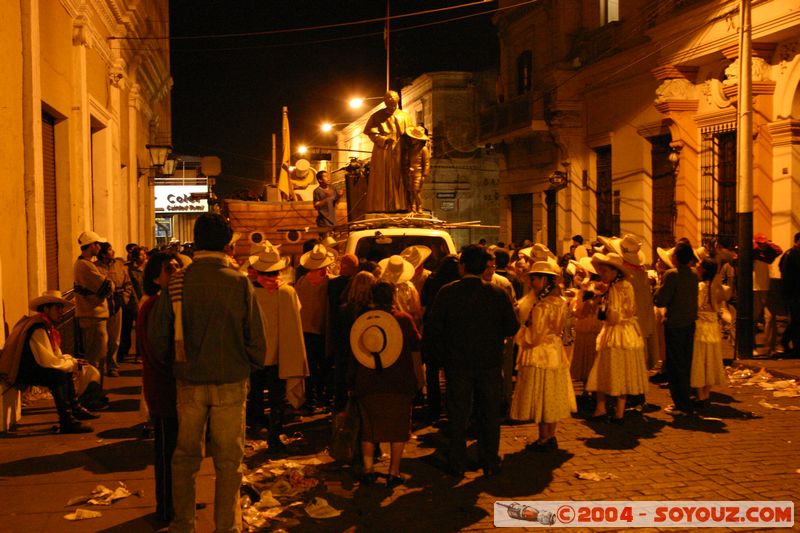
{"type": "Point", "coordinates": [178, 199]}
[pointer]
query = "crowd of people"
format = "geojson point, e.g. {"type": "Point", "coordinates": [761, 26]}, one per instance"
{"type": "Point", "coordinates": [501, 332]}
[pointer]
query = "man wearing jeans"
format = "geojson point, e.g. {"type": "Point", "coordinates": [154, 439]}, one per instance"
{"type": "Point", "coordinates": [678, 293]}
{"type": "Point", "coordinates": [209, 327]}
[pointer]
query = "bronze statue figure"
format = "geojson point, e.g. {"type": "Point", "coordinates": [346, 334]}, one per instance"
{"type": "Point", "coordinates": [386, 191]}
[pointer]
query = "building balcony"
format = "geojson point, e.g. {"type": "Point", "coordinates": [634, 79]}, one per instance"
{"type": "Point", "coordinates": [508, 119]}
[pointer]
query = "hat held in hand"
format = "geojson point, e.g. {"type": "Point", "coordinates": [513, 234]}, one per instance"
{"type": "Point", "coordinates": [376, 339]}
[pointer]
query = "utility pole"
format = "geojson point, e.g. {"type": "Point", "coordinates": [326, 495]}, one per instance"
{"type": "Point", "coordinates": [386, 44]}
{"type": "Point", "coordinates": [744, 205]}
{"type": "Point", "coordinates": [274, 158]}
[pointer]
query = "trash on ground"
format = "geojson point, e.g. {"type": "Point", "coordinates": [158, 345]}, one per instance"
{"type": "Point", "coordinates": [296, 436]}
{"type": "Point", "coordinates": [787, 393]}
{"type": "Point", "coordinates": [595, 476]}
{"type": "Point", "coordinates": [320, 508]}
{"type": "Point", "coordinates": [764, 403]}
{"type": "Point", "coordinates": [777, 385]}
{"type": "Point", "coordinates": [102, 495]}
{"type": "Point", "coordinates": [83, 514]}
{"type": "Point", "coordinates": [267, 500]}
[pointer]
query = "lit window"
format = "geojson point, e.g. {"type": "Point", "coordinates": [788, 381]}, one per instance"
{"type": "Point", "coordinates": [609, 11]}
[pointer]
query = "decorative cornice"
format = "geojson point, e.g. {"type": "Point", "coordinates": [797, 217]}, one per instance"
{"type": "Point", "coordinates": [652, 129]}
{"type": "Point", "coordinates": [784, 132]}
{"type": "Point", "coordinates": [761, 50]}
{"type": "Point", "coordinates": [715, 118]}
{"type": "Point", "coordinates": [677, 106]}
{"type": "Point", "coordinates": [731, 92]}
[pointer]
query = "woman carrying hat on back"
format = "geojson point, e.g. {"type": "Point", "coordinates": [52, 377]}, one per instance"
{"type": "Point", "coordinates": [587, 326]}
{"type": "Point", "coordinates": [385, 380]}
{"type": "Point", "coordinates": [544, 388]}
{"type": "Point", "coordinates": [619, 369]}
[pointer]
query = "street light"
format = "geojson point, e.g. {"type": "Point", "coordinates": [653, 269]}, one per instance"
{"type": "Point", "coordinates": [326, 127]}
{"type": "Point", "coordinates": [158, 154]}
{"type": "Point", "coordinates": [302, 149]}
{"type": "Point", "coordinates": [356, 103]}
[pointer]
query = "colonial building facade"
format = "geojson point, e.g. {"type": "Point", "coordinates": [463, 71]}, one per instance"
{"type": "Point", "coordinates": [620, 117]}
{"type": "Point", "coordinates": [464, 180]}
{"type": "Point", "coordinates": [81, 96]}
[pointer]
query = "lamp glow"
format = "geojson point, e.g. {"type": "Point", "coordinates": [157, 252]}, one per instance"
{"type": "Point", "coordinates": [356, 103]}
{"type": "Point", "coordinates": [326, 127]}
{"type": "Point", "coordinates": [302, 149]}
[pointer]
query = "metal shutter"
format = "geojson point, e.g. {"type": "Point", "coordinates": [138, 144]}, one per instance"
{"type": "Point", "coordinates": [521, 217]}
{"type": "Point", "coordinates": [50, 204]}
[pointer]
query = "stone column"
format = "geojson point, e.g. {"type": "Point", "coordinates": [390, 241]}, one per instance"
{"type": "Point", "coordinates": [80, 132]}
{"type": "Point", "coordinates": [32, 149]}
{"type": "Point", "coordinates": [785, 136]}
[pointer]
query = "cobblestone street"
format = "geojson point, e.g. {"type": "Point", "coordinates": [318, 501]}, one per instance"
{"type": "Point", "coordinates": [739, 450]}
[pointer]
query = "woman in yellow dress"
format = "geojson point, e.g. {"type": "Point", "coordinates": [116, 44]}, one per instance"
{"type": "Point", "coordinates": [619, 369]}
{"type": "Point", "coordinates": [544, 388]}
{"type": "Point", "coordinates": [707, 367]}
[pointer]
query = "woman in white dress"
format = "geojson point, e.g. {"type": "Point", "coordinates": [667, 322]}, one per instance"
{"type": "Point", "coordinates": [707, 367]}
{"type": "Point", "coordinates": [619, 369]}
{"type": "Point", "coordinates": [544, 388]}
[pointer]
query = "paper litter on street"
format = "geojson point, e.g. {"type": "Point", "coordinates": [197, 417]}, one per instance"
{"type": "Point", "coordinates": [83, 514]}
{"type": "Point", "coordinates": [764, 403]}
{"type": "Point", "coordinates": [320, 508]}
{"type": "Point", "coordinates": [595, 476]}
{"type": "Point", "coordinates": [102, 495]}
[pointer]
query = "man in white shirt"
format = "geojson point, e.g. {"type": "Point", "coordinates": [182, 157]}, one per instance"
{"type": "Point", "coordinates": [41, 361]}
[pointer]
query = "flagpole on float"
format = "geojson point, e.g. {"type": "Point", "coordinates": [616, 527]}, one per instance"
{"type": "Point", "coordinates": [386, 44]}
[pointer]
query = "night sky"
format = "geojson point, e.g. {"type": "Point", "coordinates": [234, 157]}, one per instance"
{"type": "Point", "coordinates": [228, 92]}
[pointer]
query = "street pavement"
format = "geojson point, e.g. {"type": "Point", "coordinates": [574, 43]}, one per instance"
{"type": "Point", "coordinates": [739, 450]}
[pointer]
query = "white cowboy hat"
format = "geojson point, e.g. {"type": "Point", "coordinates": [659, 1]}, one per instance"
{"type": "Point", "coordinates": [548, 267]}
{"type": "Point", "coordinates": [318, 257]}
{"type": "Point", "coordinates": [540, 252]}
{"type": "Point", "coordinates": [572, 267]}
{"type": "Point", "coordinates": [49, 297]}
{"type": "Point", "coordinates": [612, 259]}
{"type": "Point", "coordinates": [376, 339]}
{"type": "Point", "coordinates": [629, 247]}
{"type": "Point", "coordinates": [90, 237]}
{"type": "Point", "coordinates": [395, 269]}
{"type": "Point", "coordinates": [416, 255]}
{"type": "Point", "coordinates": [586, 264]}
{"type": "Point", "coordinates": [666, 255]}
{"type": "Point", "coordinates": [526, 252]}
{"type": "Point", "coordinates": [269, 260]}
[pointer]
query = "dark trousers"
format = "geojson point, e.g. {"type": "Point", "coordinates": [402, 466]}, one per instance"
{"type": "Point", "coordinates": [481, 390]}
{"type": "Point", "coordinates": [128, 318]}
{"type": "Point", "coordinates": [680, 343]}
{"type": "Point", "coordinates": [318, 384]}
{"type": "Point", "coordinates": [61, 387]}
{"type": "Point", "coordinates": [791, 336]}
{"type": "Point", "coordinates": [165, 430]}
{"type": "Point", "coordinates": [267, 378]}
{"type": "Point", "coordinates": [434, 391]}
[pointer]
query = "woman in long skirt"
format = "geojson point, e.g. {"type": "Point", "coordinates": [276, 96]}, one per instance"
{"type": "Point", "coordinates": [544, 388]}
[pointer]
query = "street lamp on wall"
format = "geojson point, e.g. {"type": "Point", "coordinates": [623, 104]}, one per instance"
{"type": "Point", "coordinates": [558, 180]}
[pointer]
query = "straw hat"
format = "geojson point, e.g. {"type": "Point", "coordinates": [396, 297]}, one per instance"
{"type": "Point", "coordinates": [318, 257]}
{"type": "Point", "coordinates": [629, 247]}
{"type": "Point", "coordinates": [613, 260]}
{"type": "Point", "coordinates": [572, 267]}
{"type": "Point", "coordinates": [416, 255]}
{"type": "Point", "coordinates": [395, 269]}
{"type": "Point", "coordinates": [666, 255]}
{"type": "Point", "coordinates": [376, 339]}
{"type": "Point", "coordinates": [548, 267]}
{"type": "Point", "coordinates": [269, 260]}
{"type": "Point", "coordinates": [586, 264]}
{"type": "Point", "coordinates": [49, 297]}
{"type": "Point", "coordinates": [417, 132]}
{"type": "Point", "coordinates": [540, 252]}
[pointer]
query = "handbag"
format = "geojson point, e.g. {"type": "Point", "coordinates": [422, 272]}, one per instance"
{"type": "Point", "coordinates": [345, 444]}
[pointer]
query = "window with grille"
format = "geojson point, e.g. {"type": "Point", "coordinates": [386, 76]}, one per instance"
{"type": "Point", "coordinates": [607, 222]}
{"type": "Point", "coordinates": [718, 182]}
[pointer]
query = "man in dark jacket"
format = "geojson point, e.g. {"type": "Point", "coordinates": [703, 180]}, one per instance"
{"type": "Point", "coordinates": [678, 293]}
{"type": "Point", "coordinates": [464, 331]}
{"type": "Point", "coordinates": [790, 275]}
{"type": "Point", "coordinates": [208, 326]}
